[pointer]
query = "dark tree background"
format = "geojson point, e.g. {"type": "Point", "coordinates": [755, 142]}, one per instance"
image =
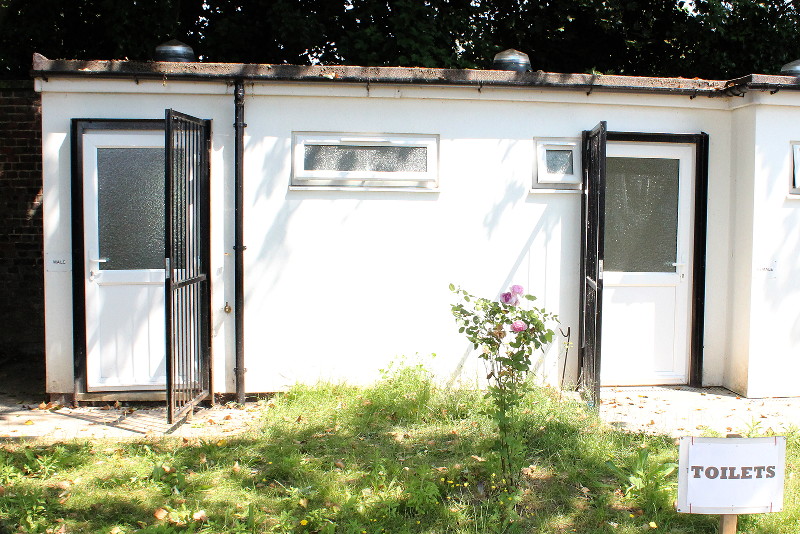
{"type": "Point", "coordinates": [703, 38]}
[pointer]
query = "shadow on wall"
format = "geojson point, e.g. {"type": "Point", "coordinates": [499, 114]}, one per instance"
{"type": "Point", "coordinates": [277, 243]}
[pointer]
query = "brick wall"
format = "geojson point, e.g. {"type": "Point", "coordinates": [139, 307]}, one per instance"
{"type": "Point", "coordinates": [21, 274]}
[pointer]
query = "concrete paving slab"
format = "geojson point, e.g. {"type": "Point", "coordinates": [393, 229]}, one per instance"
{"type": "Point", "coordinates": [20, 420]}
{"type": "Point", "coordinates": [685, 411]}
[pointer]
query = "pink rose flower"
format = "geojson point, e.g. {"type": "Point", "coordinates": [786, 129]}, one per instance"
{"type": "Point", "coordinates": [517, 289]}
{"type": "Point", "coordinates": [509, 298]}
{"type": "Point", "coordinates": [519, 326]}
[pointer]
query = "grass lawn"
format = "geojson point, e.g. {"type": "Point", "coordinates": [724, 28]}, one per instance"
{"type": "Point", "coordinates": [401, 456]}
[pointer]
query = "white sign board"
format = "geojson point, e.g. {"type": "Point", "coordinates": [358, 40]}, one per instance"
{"type": "Point", "coordinates": [731, 475]}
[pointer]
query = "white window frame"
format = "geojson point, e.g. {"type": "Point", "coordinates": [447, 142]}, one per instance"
{"type": "Point", "coordinates": [794, 188]}
{"type": "Point", "coordinates": [548, 180]}
{"type": "Point", "coordinates": [403, 180]}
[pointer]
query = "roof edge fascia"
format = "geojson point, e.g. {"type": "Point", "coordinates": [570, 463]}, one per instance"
{"type": "Point", "coordinates": [44, 68]}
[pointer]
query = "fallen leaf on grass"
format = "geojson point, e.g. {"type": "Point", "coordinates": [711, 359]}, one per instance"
{"type": "Point", "coordinates": [339, 464]}
{"type": "Point", "coordinates": [115, 530]}
{"type": "Point", "coordinates": [303, 502]}
{"type": "Point", "coordinates": [477, 458]}
{"type": "Point", "coordinates": [236, 467]}
{"type": "Point", "coordinates": [28, 422]}
{"type": "Point", "coordinates": [200, 515]}
{"type": "Point", "coordinates": [228, 417]}
{"type": "Point", "coordinates": [160, 514]}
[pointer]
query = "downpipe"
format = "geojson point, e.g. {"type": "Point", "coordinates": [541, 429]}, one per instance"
{"type": "Point", "coordinates": [238, 247]}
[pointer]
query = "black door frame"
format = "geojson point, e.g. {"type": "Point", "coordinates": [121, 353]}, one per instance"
{"type": "Point", "coordinates": [79, 127]}
{"type": "Point", "coordinates": [699, 245]}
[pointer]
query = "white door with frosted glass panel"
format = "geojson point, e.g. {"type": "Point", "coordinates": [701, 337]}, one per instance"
{"type": "Point", "coordinates": [123, 197]}
{"type": "Point", "coordinates": [647, 264]}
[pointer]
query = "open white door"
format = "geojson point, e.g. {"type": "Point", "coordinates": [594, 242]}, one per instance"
{"type": "Point", "coordinates": [123, 222]}
{"type": "Point", "coordinates": [647, 267]}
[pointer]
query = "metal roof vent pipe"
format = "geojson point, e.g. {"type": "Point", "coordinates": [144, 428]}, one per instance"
{"type": "Point", "coordinates": [174, 50]}
{"type": "Point", "coordinates": [513, 60]}
{"type": "Point", "coordinates": [791, 69]}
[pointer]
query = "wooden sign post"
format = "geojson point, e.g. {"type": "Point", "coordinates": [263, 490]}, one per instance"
{"type": "Point", "coordinates": [731, 476]}
{"type": "Point", "coordinates": [727, 523]}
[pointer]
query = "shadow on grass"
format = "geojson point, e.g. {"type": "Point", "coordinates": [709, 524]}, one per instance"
{"type": "Point", "coordinates": [399, 457]}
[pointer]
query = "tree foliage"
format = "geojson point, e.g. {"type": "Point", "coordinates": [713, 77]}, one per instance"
{"type": "Point", "coordinates": [702, 38]}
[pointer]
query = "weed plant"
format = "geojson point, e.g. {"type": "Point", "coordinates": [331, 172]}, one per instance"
{"type": "Point", "coordinates": [402, 456]}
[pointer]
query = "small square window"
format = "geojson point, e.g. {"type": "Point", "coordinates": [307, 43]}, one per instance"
{"type": "Point", "coordinates": [330, 160]}
{"type": "Point", "coordinates": [558, 163]}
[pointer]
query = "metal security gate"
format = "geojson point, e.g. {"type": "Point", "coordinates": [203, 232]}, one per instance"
{"type": "Point", "coordinates": [592, 230]}
{"type": "Point", "coordinates": [187, 259]}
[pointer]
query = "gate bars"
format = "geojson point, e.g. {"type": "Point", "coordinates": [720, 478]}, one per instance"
{"type": "Point", "coordinates": [592, 241]}
{"type": "Point", "coordinates": [187, 260]}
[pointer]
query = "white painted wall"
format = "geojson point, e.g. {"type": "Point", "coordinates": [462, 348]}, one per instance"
{"type": "Point", "coordinates": [774, 337]}
{"type": "Point", "coordinates": [740, 233]}
{"type": "Point", "coordinates": [63, 100]}
{"type": "Point", "coordinates": [340, 283]}
{"type": "Point", "coordinates": [361, 277]}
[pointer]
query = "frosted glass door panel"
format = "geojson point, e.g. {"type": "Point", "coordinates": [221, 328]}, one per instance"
{"type": "Point", "coordinates": [130, 207]}
{"type": "Point", "coordinates": [641, 215]}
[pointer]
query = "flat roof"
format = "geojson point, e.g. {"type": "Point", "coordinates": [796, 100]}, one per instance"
{"type": "Point", "coordinates": [198, 71]}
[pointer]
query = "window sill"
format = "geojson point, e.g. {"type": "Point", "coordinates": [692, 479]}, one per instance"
{"type": "Point", "coordinates": [361, 189]}
{"type": "Point", "coordinates": [553, 191]}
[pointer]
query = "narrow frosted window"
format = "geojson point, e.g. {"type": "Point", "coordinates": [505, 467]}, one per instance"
{"type": "Point", "coordinates": [130, 207]}
{"type": "Point", "coordinates": [641, 233]}
{"type": "Point", "coordinates": [348, 158]}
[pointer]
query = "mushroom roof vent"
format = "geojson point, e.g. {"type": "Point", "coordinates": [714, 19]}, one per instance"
{"type": "Point", "coordinates": [512, 60]}
{"type": "Point", "coordinates": [791, 69]}
{"type": "Point", "coordinates": [174, 50]}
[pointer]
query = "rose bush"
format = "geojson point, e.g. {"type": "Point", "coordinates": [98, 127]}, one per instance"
{"type": "Point", "coordinates": [506, 333]}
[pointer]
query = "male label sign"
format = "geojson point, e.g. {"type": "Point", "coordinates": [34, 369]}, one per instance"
{"type": "Point", "coordinates": [731, 475]}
